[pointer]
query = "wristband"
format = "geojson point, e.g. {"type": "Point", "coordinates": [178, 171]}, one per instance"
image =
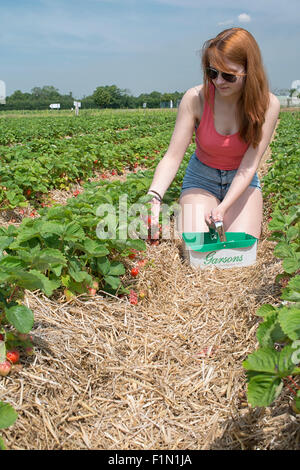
{"type": "Point", "coordinates": [157, 194]}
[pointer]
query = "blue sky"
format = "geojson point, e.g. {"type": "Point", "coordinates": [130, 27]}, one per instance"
{"type": "Point", "coordinates": [140, 45]}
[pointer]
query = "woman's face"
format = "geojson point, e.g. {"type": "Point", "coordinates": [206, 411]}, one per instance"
{"type": "Point", "coordinates": [224, 87]}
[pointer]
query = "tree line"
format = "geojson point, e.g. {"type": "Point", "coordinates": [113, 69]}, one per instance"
{"type": "Point", "coordinates": [109, 96]}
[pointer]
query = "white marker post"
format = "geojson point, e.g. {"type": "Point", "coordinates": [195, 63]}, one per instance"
{"type": "Point", "coordinates": [2, 92]}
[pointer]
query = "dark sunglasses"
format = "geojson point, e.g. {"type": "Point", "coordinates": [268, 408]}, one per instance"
{"type": "Point", "coordinates": [229, 77]}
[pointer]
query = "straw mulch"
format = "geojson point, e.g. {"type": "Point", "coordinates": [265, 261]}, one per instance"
{"type": "Point", "coordinates": [164, 374]}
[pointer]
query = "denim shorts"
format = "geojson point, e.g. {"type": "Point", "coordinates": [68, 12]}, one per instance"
{"type": "Point", "coordinates": [216, 182]}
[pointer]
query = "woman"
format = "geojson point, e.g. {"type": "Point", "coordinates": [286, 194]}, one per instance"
{"type": "Point", "coordinates": [233, 115]}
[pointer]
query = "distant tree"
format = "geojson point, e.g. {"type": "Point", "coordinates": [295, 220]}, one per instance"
{"type": "Point", "coordinates": [102, 97]}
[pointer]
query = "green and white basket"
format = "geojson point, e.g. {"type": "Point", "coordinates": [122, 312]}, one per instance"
{"type": "Point", "coordinates": [204, 250]}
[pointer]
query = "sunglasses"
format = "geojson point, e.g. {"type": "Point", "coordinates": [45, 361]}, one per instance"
{"type": "Point", "coordinates": [229, 77]}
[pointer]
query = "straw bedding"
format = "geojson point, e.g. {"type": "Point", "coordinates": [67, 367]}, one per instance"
{"type": "Point", "coordinates": [164, 374]}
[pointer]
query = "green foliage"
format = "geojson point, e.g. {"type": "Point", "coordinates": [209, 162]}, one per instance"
{"type": "Point", "coordinates": [275, 362]}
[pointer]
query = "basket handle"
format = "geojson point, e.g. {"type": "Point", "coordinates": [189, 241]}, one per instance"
{"type": "Point", "coordinates": [219, 228]}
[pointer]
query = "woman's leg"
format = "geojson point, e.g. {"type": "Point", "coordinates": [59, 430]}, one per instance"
{"type": "Point", "coordinates": [245, 215]}
{"type": "Point", "coordinates": [194, 203]}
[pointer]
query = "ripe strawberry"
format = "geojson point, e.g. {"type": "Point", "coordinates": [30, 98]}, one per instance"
{"type": "Point", "coordinates": [132, 255]}
{"type": "Point", "coordinates": [92, 291]}
{"type": "Point", "coordinates": [13, 356]}
{"type": "Point", "coordinates": [28, 192]}
{"type": "Point", "coordinates": [75, 194]}
{"type": "Point", "coordinates": [95, 161]}
{"type": "Point", "coordinates": [134, 272]}
{"type": "Point", "coordinates": [1, 337]}
{"type": "Point", "coordinates": [133, 298]}
{"type": "Point", "coordinates": [5, 368]}
{"type": "Point", "coordinates": [103, 176]}
{"type": "Point", "coordinates": [142, 262]}
{"type": "Point", "coordinates": [113, 172]}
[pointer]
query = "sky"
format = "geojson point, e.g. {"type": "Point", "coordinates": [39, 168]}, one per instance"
{"type": "Point", "coordinates": [138, 45]}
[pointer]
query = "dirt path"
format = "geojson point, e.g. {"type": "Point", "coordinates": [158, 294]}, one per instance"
{"type": "Point", "coordinates": [164, 374]}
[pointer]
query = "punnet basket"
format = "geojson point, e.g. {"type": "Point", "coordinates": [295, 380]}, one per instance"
{"type": "Point", "coordinates": [202, 250]}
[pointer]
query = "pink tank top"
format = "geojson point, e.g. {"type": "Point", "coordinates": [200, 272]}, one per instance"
{"type": "Point", "coordinates": [224, 152]}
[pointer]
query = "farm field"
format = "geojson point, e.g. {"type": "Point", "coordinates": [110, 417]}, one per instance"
{"type": "Point", "coordinates": [151, 360]}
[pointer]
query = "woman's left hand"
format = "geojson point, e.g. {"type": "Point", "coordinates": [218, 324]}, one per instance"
{"type": "Point", "coordinates": [217, 215]}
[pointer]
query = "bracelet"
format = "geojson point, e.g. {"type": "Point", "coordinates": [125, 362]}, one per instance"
{"type": "Point", "coordinates": [156, 198]}
{"type": "Point", "coordinates": [152, 191]}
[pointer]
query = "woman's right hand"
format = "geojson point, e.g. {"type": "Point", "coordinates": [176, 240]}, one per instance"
{"type": "Point", "coordinates": [153, 221]}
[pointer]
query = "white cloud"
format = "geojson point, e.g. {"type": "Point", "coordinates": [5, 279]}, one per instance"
{"type": "Point", "coordinates": [244, 18]}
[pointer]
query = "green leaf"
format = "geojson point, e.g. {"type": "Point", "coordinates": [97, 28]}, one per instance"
{"type": "Point", "coordinates": [290, 295]}
{"type": "Point", "coordinates": [294, 283]}
{"type": "Point", "coordinates": [285, 363]}
{"type": "Point", "coordinates": [103, 265]}
{"type": "Point", "coordinates": [73, 232]}
{"type": "Point", "coordinates": [5, 242]}
{"type": "Point", "coordinates": [136, 244]}
{"type": "Point", "coordinates": [8, 415]}
{"type": "Point", "coordinates": [265, 310]}
{"type": "Point", "coordinates": [291, 264]}
{"type": "Point", "coordinates": [95, 248]}
{"type": "Point", "coordinates": [283, 250]}
{"type": "Point", "coordinates": [20, 317]}
{"type": "Point", "coordinates": [263, 389]}
{"type": "Point", "coordinates": [116, 269]}
{"type": "Point", "coordinates": [292, 233]}
{"type": "Point", "coordinates": [11, 263]}
{"type": "Point", "coordinates": [262, 360]}
{"type": "Point", "coordinates": [51, 228]}
{"type": "Point", "coordinates": [270, 332]}
{"type": "Point", "coordinates": [113, 281]}
{"type": "Point", "coordinates": [289, 319]}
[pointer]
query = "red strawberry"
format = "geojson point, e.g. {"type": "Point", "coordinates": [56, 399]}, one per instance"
{"type": "Point", "coordinates": [28, 192]}
{"type": "Point", "coordinates": [134, 272]}
{"type": "Point", "coordinates": [142, 262]}
{"type": "Point", "coordinates": [5, 368]}
{"type": "Point", "coordinates": [13, 356]}
{"type": "Point", "coordinates": [1, 337]}
{"type": "Point", "coordinates": [113, 172]}
{"type": "Point", "coordinates": [92, 291]}
{"type": "Point", "coordinates": [95, 161]}
{"type": "Point", "coordinates": [132, 255]}
{"type": "Point", "coordinates": [133, 297]}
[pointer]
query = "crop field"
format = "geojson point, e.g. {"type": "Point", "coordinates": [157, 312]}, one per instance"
{"type": "Point", "coordinates": [115, 342]}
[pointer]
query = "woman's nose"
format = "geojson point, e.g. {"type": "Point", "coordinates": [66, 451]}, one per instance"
{"type": "Point", "coordinates": [220, 79]}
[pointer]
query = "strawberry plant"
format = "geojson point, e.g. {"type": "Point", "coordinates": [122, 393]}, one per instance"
{"type": "Point", "coordinates": [276, 364]}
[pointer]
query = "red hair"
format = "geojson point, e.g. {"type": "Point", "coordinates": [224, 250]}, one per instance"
{"type": "Point", "coordinates": [239, 46]}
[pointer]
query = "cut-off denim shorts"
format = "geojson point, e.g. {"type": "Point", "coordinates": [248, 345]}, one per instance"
{"type": "Point", "coordinates": [216, 182]}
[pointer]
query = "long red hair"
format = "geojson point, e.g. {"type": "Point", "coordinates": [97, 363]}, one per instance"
{"type": "Point", "coordinates": [239, 46]}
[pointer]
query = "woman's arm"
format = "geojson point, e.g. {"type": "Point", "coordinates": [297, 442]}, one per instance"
{"type": "Point", "coordinates": [251, 159]}
{"type": "Point", "coordinates": [184, 128]}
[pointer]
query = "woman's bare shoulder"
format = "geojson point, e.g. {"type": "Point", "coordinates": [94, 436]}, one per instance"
{"type": "Point", "coordinates": [274, 101]}
{"type": "Point", "coordinates": [195, 98]}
